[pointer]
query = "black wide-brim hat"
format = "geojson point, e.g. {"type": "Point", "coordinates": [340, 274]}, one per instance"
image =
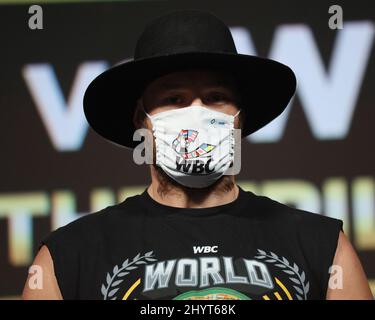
{"type": "Point", "coordinates": [181, 40]}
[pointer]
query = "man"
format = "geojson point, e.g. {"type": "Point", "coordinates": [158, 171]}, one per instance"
{"type": "Point", "coordinates": [193, 233]}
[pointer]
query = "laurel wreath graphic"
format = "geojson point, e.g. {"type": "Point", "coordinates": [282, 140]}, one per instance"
{"type": "Point", "coordinates": [293, 271]}
{"type": "Point", "coordinates": [109, 290]}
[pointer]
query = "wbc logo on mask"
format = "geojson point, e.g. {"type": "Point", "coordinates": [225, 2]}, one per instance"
{"type": "Point", "coordinates": [188, 160]}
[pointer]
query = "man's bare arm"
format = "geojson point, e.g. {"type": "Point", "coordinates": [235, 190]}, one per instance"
{"type": "Point", "coordinates": [50, 289]}
{"type": "Point", "coordinates": [354, 283]}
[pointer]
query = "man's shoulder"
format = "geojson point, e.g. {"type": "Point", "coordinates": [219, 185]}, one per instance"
{"type": "Point", "coordinates": [272, 208]}
{"type": "Point", "coordinates": [92, 225]}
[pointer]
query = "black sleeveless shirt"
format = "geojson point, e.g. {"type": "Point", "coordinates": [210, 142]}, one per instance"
{"type": "Point", "coordinates": [251, 248]}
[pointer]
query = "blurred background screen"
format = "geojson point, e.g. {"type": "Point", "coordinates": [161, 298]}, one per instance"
{"type": "Point", "coordinates": [318, 156]}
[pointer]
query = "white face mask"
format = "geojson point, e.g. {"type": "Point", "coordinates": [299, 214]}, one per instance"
{"type": "Point", "coordinates": [194, 145]}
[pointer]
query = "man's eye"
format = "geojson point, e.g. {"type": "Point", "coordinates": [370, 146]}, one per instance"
{"type": "Point", "coordinates": [217, 97]}
{"type": "Point", "coordinates": [173, 100]}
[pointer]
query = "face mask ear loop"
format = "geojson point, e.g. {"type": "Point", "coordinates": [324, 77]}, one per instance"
{"type": "Point", "coordinates": [238, 112]}
{"type": "Point", "coordinates": [232, 135]}
{"type": "Point", "coordinates": [143, 108]}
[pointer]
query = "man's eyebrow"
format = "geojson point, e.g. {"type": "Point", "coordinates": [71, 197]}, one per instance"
{"type": "Point", "coordinates": [171, 85]}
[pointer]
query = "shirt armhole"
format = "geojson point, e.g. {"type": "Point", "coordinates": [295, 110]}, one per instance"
{"type": "Point", "coordinates": [64, 260]}
{"type": "Point", "coordinates": [335, 226]}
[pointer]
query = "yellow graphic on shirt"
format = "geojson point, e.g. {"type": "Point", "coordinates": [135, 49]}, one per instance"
{"type": "Point", "coordinates": [131, 289]}
{"type": "Point", "coordinates": [277, 294]}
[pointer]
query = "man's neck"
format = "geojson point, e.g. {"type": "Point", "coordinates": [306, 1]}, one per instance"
{"type": "Point", "coordinates": [170, 194]}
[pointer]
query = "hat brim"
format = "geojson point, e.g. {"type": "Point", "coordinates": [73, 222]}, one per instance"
{"type": "Point", "coordinates": [266, 87]}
